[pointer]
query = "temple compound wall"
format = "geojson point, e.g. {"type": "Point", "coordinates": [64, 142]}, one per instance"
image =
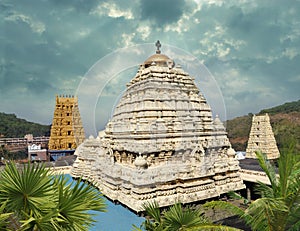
{"type": "Point", "coordinates": [161, 144]}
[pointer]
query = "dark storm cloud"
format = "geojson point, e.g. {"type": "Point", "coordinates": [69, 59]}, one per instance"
{"type": "Point", "coordinates": [262, 39]}
{"type": "Point", "coordinates": [46, 47]}
{"type": "Point", "coordinates": [260, 28]}
{"type": "Point", "coordinates": [162, 11]}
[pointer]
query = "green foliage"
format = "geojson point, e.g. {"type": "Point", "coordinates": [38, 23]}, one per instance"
{"type": "Point", "coordinates": [278, 209]}
{"type": "Point", "coordinates": [238, 131]}
{"type": "Point", "coordinates": [7, 155]}
{"type": "Point", "coordinates": [13, 127]}
{"type": "Point", "coordinates": [4, 152]}
{"type": "Point", "coordinates": [178, 218]}
{"type": "Point", "coordinates": [4, 217]}
{"type": "Point", "coordinates": [286, 128]}
{"type": "Point", "coordinates": [285, 108]}
{"type": "Point", "coordinates": [26, 190]}
{"type": "Point", "coordinates": [39, 201]}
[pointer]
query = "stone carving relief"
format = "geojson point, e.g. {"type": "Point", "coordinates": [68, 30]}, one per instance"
{"type": "Point", "coordinates": [161, 144]}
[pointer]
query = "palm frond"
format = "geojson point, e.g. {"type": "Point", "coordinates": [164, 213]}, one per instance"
{"type": "Point", "coordinates": [40, 201]}
{"type": "Point", "coordinates": [295, 226]}
{"type": "Point", "coordinates": [75, 201]}
{"type": "Point", "coordinates": [263, 213]}
{"type": "Point", "coordinates": [279, 207]}
{"type": "Point", "coordinates": [223, 205]}
{"type": "Point", "coordinates": [293, 218]}
{"type": "Point", "coordinates": [45, 222]}
{"type": "Point", "coordinates": [287, 163]}
{"type": "Point", "coordinates": [26, 189]}
{"type": "Point", "coordinates": [268, 169]}
{"type": "Point", "coordinates": [212, 227]}
{"type": "Point", "coordinates": [4, 217]}
{"type": "Point", "coordinates": [234, 195]}
{"type": "Point", "coordinates": [177, 217]}
{"type": "Point", "coordinates": [135, 228]}
{"type": "Point", "coordinates": [153, 211]}
{"type": "Point", "coordinates": [264, 190]}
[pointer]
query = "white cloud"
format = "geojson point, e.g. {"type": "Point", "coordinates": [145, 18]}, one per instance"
{"type": "Point", "coordinates": [144, 31]}
{"type": "Point", "coordinates": [84, 32]}
{"type": "Point", "coordinates": [274, 55]}
{"type": "Point", "coordinates": [216, 42]}
{"type": "Point", "coordinates": [200, 3]}
{"type": "Point", "coordinates": [292, 35]}
{"type": "Point", "coordinates": [181, 26]}
{"type": "Point", "coordinates": [36, 26]}
{"type": "Point", "coordinates": [290, 52]}
{"type": "Point", "coordinates": [232, 81]}
{"type": "Point", "coordinates": [127, 40]}
{"type": "Point", "coordinates": [112, 10]}
{"type": "Point", "coordinates": [196, 20]}
{"type": "Point", "coordinates": [217, 49]}
{"type": "Point", "coordinates": [235, 38]}
{"type": "Point", "coordinates": [236, 44]}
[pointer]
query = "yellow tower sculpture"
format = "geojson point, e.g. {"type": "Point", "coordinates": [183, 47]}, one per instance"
{"type": "Point", "coordinates": [67, 132]}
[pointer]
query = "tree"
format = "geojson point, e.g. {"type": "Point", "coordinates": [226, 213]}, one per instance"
{"type": "Point", "coordinates": [176, 218]}
{"type": "Point", "coordinates": [4, 153]}
{"type": "Point", "coordinates": [278, 209]}
{"type": "Point", "coordinates": [36, 200]}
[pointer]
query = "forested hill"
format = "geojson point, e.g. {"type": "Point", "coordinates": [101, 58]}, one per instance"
{"type": "Point", "coordinates": [285, 122]}
{"type": "Point", "coordinates": [13, 127]}
{"type": "Point", "coordinates": [284, 108]}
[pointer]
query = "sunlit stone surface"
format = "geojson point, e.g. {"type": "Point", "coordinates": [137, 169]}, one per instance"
{"type": "Point", "coordinates": [261, 138]}
{"type": "Point", "coordinates": [161, 144]}
{"type": "Point", "coordinates": [66, 130]}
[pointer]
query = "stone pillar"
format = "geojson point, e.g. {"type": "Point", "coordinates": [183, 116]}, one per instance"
{"type": "Point", "coordinates": [248, 194]}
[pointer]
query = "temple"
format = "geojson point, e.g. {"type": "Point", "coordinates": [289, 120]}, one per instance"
{"type": "Point", "coordinates": [161, 144]}
{"type": "Point", "coordinates": [67, 132]}
{"type": "Point", "coordinates": [261, 138]}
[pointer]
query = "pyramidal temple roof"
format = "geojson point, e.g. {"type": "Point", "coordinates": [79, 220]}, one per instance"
{"type": "Point", "coordinates": [161, 144]}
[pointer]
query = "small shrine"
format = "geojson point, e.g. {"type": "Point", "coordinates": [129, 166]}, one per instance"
{"type": "Point", "coordinates": [162, 143]}
{"type": "Point", "coordinates": [261, 138]}
{"type": "Point", "coordinates": [67, 132]}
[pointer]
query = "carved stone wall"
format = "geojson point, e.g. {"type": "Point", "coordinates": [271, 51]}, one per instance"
{"type": "Point", "coordinates": [261, 138]}
{"type": "Point", "coordinates": [66, 131]}
{"type": "Point", "coordinates": [161, 144]}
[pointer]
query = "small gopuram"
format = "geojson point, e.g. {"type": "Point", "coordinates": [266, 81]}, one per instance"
{"type": "Point", "coordinates": [67, 132]}
{"type": "Point", "coordinates": [162, 143]}
{"type": "Point", "coordinates": [261, 138]}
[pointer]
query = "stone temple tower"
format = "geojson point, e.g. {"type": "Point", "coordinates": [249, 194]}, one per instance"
{"type": "Point", "coordinates": [67, 132]}
{"type": "Point", "coordinates": [261, 138]}
{"type": "Point", "coordinates": [162, 143]}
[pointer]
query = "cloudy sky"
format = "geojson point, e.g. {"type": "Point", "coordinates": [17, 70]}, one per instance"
{"type": "Point", "coordinates": [47, 47]}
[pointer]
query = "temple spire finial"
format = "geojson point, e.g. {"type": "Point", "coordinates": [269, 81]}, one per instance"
{"type": "Point", "coordinates": [158, 45]}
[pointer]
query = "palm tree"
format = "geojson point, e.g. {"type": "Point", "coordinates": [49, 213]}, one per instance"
{"type": "Point", "coordinates": [177, 218]}
{"type": "Point", "coordinates": [278, 209]}
{"type": "Point", "coordinates": [38, 201]}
